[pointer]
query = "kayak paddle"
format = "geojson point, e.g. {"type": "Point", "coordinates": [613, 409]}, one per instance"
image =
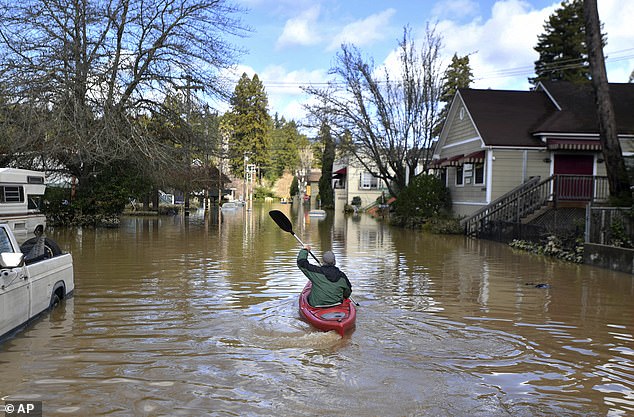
{"type": "Point", "coordinates": [285, 224]}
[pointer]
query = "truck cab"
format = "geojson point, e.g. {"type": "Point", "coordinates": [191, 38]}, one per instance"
{"type": "Point", "coordinates": [30, 284]}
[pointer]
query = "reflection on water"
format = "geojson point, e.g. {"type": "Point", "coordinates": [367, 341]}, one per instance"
{"type": "Point", "coordinates": [198, 316]}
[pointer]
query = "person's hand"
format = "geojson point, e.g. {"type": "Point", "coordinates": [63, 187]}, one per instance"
{"type": "Point", "coordinates": [307, 247]}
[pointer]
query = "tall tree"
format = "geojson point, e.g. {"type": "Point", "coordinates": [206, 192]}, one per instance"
{"type": "Point", "coordinates": [285, 144]}
{"type": "Point", "coordinates": [250, 123]}
{"type": "Point", "coordinates": [563, 54]}
{"type": "Point", "coordinates": [615, 166]}
{"type": "Point", "coordinates": [326, 193]}
{"type": "Point", "coordinates": [391, 120]}
{"type": "Point", "coordinates": [86, 71]}
{"type": "Point", "coordinates": [457, 75]}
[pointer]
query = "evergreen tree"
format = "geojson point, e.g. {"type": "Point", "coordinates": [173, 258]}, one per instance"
{"type": "Point", "coordinates": [458, 75]}
{"type": "Point", "coordinates": [326, 193]}
{"type": "Point", "coordinates": [250, 122]}
{"type": "Point", "coordinates": [563, 54]}
{"type": "Point", "coordinates": [285, 144]}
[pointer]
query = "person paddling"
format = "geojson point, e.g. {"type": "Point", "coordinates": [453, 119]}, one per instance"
{"type": "Point", "coordinates": [330, 284]}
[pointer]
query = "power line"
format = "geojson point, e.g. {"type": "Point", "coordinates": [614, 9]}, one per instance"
{"type": "Point", "coordinates": [501, 73]}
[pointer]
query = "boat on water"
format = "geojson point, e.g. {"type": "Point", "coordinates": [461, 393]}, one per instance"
{"type": "Point", "coordinates": [230, 206]}
{"type": "Point", "coordinates": [317, 213]}
{"type": "Point", "coordinates": [339, 318]}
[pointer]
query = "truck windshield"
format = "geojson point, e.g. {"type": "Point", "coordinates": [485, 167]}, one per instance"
{"type": "Point", "coordinates": [5, 242]}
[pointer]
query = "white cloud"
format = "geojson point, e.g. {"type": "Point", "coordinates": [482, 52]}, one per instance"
{"type": "Point", "coordinates": [501, 48]}
{"type": "Point", "coordinates": [365, 31]}
{"type": "Point", "coordinates": [452, 9]}
{"type": "Point", "coordinates": [283, 89]}
{"type": "Point", "coordinates": [616, 16]}
{"type": "Point", "coordinates": [301, 30]}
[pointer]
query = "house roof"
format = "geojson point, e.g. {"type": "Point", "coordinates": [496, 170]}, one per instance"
{"type": "Point", "coordinates": [507, 118]}
{"type": "Point", "coordinates": [578, 110]}
{"type": "Point", "coordinates": [517, 118]}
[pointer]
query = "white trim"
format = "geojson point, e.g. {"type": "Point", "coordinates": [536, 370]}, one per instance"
{"type": "Point", "coordinates": [489, 174]}
{"type": "Point", "coordinates": [559, 134]}
{"type": "Point", "coordinates": [462, 142]}
{"type": "Point", "coordinates": [541, 86]}
{"type": "Point", "coordinates": [470, 203]}
{"type": "Point", "coordinates": [519, 148]}
{"type": "Point", "coordinates": [451, 114]}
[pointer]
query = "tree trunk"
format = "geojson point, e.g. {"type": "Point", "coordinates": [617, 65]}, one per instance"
{"type": "Point", "coordinates": [618, 179]}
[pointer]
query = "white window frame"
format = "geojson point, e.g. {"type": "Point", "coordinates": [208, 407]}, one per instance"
{"type": "Point", "coordinates": [367, 181]}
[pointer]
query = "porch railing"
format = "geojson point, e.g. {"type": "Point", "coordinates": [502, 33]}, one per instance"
{"type": "Point", "coordinates": [529, 197]}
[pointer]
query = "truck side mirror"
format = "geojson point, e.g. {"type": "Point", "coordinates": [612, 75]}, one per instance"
{"type": "Point", "coordinates": [11, 260]}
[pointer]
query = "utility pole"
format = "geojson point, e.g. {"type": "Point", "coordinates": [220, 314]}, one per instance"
{"type": "Point", "coordinates": [188, 87]}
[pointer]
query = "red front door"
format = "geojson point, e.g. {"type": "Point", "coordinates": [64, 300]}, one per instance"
{"type": "Point", "coordinates": [574, 176]}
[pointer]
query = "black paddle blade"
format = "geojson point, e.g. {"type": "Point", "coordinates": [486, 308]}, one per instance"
{"type": "Point", "coordinates": [281, 220]}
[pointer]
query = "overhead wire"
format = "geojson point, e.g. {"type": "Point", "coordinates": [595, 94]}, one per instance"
{"type": "Point", "coordinates": [501, 73]}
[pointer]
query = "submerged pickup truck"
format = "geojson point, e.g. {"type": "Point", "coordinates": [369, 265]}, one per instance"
{"type": "Point", "coordinates": [33, 279]}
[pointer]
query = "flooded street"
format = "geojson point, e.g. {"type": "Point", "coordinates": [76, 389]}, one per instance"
{"type": "Point", "coordinates": [197, 316]}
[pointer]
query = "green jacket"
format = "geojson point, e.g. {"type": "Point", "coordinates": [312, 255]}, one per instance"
{"type": "Point", "coordinates": [330, 285]}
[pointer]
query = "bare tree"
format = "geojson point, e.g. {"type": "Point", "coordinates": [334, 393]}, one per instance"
{"type": "Point", "coordinates": [84, 74]}
{"type": "Point", "coordinates": [615, 166]}
{"type": "Point", "coordinates": [390, 118]}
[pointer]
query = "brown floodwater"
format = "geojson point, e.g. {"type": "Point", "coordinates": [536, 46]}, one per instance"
{"type": "Point", "coordinates": [197, 316]}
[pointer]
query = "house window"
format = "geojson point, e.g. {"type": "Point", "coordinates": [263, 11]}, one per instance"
{"type": "Point", "coordinates": [629, 166]}
{"type": "Point", "coordinates": [459, 175]}
{"type": "Point", "coordinates": [443, 177]}
{"type": "Point", "coordinates": [368, 181]}
{"type": "Point", "coordinates": [478, 174]}
{"type": "Point", "coordinates": [11, 194]}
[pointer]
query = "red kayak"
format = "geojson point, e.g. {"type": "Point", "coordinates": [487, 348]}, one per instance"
{"type": "Point", "coordinates": [340, 318]}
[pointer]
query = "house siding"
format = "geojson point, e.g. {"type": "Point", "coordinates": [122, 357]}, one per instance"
{"type": "Point", "coordinates": [353, 189]}
{"type": "Point", "coordinates": [513, 167]}
{"type": "Point", "coordinates": [461, 129]}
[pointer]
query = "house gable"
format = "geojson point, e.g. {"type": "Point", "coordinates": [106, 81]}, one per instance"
{"type": "Point", "coordinates": [458, 131]}
{"type": "Point", "coordinates": [507, 118]}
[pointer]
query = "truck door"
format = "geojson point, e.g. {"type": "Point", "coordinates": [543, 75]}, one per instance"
{"type": "Point", "coordinates": [15, 291]}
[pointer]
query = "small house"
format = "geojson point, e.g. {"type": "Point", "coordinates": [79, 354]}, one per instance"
{"type": "Point", "coordinates": [496, 140]}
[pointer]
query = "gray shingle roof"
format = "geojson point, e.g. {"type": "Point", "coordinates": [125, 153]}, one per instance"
{"type": "Point", "coordinates": [507, 118]}
{"type": "Point", "coordinates": [514, 118]}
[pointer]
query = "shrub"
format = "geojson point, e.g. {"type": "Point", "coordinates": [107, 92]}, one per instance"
{"type": "Point", "coordinates": [553, 247]}
{"type": "Point", "coordinates": [294, 187]}
{"type": "Point", "coordinates": [260, 193]}
{"type": "Point", "coordinates": [426, 197]}
{"type": "Point", "coordinates": [444, 226]}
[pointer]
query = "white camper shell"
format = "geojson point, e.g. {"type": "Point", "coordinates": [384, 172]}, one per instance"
{"type": "Point", "coordinates": [21, 194]}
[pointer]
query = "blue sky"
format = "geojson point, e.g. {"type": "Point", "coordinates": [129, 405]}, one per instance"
{"type": "Point", "coordinates": [294, 42]}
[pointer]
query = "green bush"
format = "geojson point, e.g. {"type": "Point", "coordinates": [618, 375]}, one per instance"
{"type": "Point", "coordinates": [260, 193]}
{"type": "Point", "coordinates": [294, 187]}
{"type": "Point", "coordinates": [425, 197]}
{"type": "Point", "coordinates": [444, 226]}
{"type": "Point", "coordinates": [553, 247]}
